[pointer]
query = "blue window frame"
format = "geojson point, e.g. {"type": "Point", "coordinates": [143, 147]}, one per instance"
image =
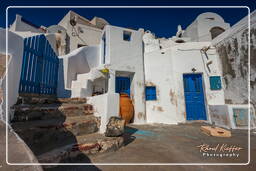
{"type": "Point", "coordinates": [150, 93]}
{"type": "Point", "coordinates": [215, 82]}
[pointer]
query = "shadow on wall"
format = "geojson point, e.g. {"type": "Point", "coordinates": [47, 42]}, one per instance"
{"type": "Point", "coordinates": [61, 91]}
{"type": "Point", "coordinates": [47, 130]}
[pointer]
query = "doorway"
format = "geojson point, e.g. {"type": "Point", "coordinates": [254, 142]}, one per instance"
{"type": "Point", "coordinates": [123, 85]}
{"type": "Point", "coordinates": [194, 97]}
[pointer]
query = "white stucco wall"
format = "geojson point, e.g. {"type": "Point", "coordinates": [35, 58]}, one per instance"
{"type": "Point", "coordinates": [49, 36]}
{"type": "Point", "coordinates": [60, 38]}
{"type": "Point", "coordinates": [19, 25]}
{"type": "Point", "coordinates": [199, 30]}
{"type": "Point", "coordinates": [15, 50]}
{"type": "Point", "coordinates": [79, 61]}
{"type": "Point", "coordinates": [165, 68]}
{"type": "Point", "coordinates": [187, 56]}
{"type": "Point", "coordinates": [159, 73]}
{"type": "Point", "coordinates": [125, 58]}
{"type": "Point", "coordinates": [80, 33]}
{"type": "Point", "coordinates": [105, 106]}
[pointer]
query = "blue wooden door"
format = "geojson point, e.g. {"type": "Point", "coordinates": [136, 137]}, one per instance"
{"type": "Point", "coordinates": [123, 85]}
{"type": "Point", "coordinates": [39, 72]}
{"type": "Point", "coordinates": [194, 97]}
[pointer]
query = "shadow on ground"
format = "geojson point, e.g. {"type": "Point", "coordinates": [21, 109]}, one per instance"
{"type": "Point", "coordinates": [128, 135]}
{"type": "Point", "coordinates": [47, 131]}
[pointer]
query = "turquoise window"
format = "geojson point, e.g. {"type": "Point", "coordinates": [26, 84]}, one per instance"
{"type": "Point", "coordinates": [215, 82]}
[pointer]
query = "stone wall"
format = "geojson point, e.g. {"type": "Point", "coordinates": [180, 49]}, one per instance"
{"type": "Point", "coordinates": [253, 65]}
{"type": "Point", "coordinates": [232, 47]}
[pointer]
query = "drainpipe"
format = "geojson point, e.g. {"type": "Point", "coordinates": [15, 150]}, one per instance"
{"type": "Point", "coordinates": [204, 50]}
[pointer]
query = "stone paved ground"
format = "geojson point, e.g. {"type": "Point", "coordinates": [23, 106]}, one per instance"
{"type": "Point", "coordinates": [171, 144]}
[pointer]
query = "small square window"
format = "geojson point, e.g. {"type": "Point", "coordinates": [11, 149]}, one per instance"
{"type": "Point", "coordinates": [215, 82]}
{"type": "Point", "coordinates": [127, 35]}
{"type": "Point", "coordinates": [151, 93]}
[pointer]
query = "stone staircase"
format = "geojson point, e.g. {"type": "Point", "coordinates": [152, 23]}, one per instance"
{"type": "Point", "coordinates": [60, 130]}
{"type": "Point", "coordinates": [83, 85]}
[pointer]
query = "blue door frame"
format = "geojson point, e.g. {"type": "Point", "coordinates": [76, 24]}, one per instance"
{"type": "Point", "coordinates": [194, 97]}
{"type": "Point", "coordinates": [123, 85]}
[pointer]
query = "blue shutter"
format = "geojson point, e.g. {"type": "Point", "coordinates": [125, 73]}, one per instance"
{"type": "Point", "coordinates": [151, 93]}
{"type": "Point", "coordinates": [215, 82]}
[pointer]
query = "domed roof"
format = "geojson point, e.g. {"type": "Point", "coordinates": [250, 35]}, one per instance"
{"type": "Point", "coordinates": [209, 16]}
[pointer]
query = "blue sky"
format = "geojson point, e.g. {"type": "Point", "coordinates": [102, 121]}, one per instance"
{"type": "Point", "coordinates": [162, 21]}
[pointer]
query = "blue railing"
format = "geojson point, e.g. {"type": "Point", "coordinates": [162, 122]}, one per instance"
{"type": "Point", "coordinates": [39, 73]}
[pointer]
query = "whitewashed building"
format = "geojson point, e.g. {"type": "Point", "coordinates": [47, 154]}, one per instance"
{"type": "Point", "coordinates": [79, 30]}
{"type": "Point", "coordinates": [170, 80]}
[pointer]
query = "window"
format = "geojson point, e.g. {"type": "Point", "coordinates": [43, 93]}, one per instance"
{"type": "Point", "coordinates": [215, 31]}
{"type": "Point", "coordinates": [104, 48]}
{"type": "Point", "coordinates": [180, 41]}
{"type": "Point", "coordinates": [210, 18]}
{"type": "Point", "coordinates": [127, 35]}
{"type": "Point", "coordinates": [151, 93]}
{"type": "Point", "coordinates": [215, 82]}
{"type": "Point", "coordinates": [80, 45]}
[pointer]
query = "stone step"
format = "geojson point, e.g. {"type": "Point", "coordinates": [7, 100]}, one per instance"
{"type": "Point", "coordinates": [27, 112]}
{"type": "Point", "coordinates": [45, 135]}
{"type": "Point", "coordinates": [75, 100]}
{"type": "Point", "coordinates": [46, 99]}
{"type": "Point", "coordinates": [85, 146]}
{"type": "Point", "coordinates": [78, 125]}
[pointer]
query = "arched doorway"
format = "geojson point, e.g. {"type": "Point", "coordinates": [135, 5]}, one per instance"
{"type": "Point", "coordinates": [215, 31]}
